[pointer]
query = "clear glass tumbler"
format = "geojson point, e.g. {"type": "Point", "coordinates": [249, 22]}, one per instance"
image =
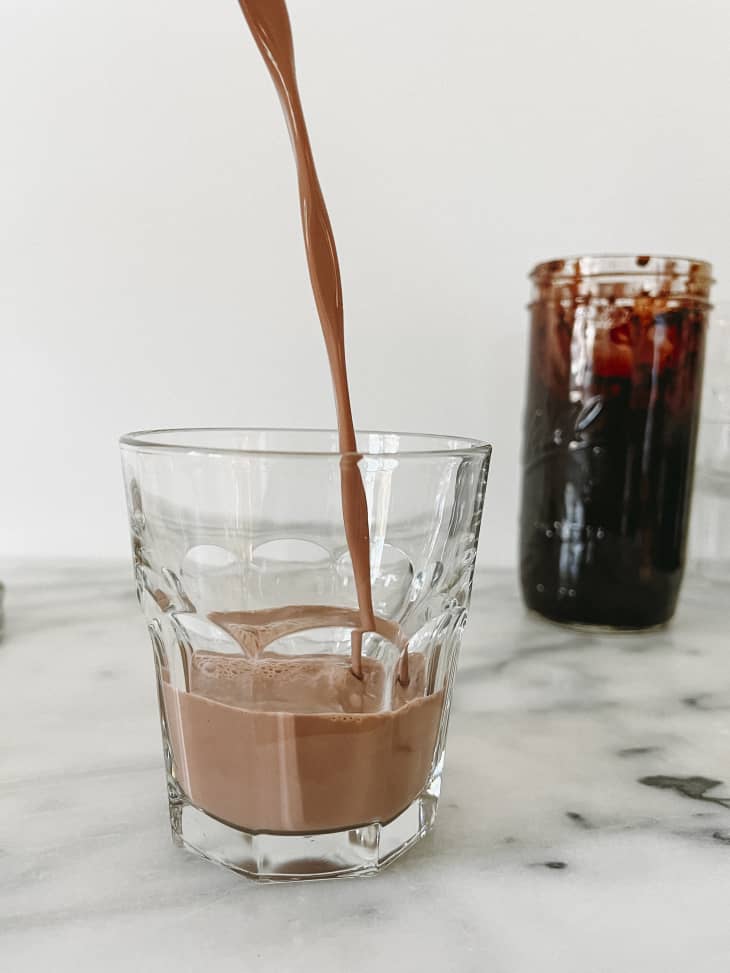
{"type": "Point", "coordinates": [613, 403]}
{"type": "Point", "coordinates": [280, 762]}
{"type": "Point", "coordinates": [710, 527]}
{"type": "Point", "coordinates": [711, 514]}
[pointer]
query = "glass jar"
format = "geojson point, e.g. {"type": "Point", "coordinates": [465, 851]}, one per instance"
{"type": "Point", "coordinates": [614, 388]}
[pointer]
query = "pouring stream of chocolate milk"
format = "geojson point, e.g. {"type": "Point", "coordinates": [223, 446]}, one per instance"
{"type": "Point", "coordinates": [269, 23]}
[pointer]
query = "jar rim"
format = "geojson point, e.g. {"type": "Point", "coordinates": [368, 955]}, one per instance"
{"type": "Point", "coordinates": [611, 265]}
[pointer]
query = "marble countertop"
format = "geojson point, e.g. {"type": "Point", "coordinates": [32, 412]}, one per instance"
{"type": "Point", "coordinates": [584, 825]}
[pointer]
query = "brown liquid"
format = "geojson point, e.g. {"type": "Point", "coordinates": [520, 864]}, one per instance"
{"type": "Point", "coordinates": [269, 23]}
{"type": "Point", "coordinates": [282, 745]}
{"type": "Point", "coordinates": [255, 630]}
{"type": "Point", "coordinates": [276, 743]}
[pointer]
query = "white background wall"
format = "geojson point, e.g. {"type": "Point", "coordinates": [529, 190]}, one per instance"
{"type": "Point", "coordinates": [151, 266]}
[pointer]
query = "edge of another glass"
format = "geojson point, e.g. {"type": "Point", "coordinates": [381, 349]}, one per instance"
{"type": "Point", "coordinates": [139, 440]}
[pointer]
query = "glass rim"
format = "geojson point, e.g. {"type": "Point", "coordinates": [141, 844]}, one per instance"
{"type": "Point", "coordinates": [623, 265]}
{"type": "Point", "coordinates": [144, 441]}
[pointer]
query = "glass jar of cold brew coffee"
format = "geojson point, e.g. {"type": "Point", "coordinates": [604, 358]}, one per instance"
{"type": "Point", "coordinates": [614, 387]}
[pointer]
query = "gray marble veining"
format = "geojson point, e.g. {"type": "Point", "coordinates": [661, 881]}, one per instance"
{"type": "Point", "coordinates": [584, 824]}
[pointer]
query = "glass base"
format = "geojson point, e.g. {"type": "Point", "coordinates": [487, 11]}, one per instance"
{"type": "Point", "coordinates": [266, 857]}
{"type": "Point", "coordinates": [590, 629]}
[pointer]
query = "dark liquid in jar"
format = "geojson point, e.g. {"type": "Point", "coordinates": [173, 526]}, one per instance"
{"type": "Point", "coordinates": [610, 428]}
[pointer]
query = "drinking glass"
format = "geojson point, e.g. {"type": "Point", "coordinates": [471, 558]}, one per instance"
{"type": "Point", "coordinates": [614, 386]}
{"type": "Point", "coordinates": [280, 762]}
{"type": "Point", "coordinates": [710, 527]}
